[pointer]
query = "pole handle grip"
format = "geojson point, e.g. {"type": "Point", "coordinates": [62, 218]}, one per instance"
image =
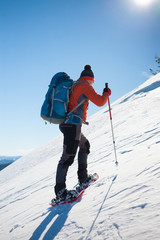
{"type": "Point", "coordinates": [106, 85]}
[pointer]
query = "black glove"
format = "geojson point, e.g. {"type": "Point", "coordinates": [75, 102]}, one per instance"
{"type": "Point", "coordinates": [107, 89]}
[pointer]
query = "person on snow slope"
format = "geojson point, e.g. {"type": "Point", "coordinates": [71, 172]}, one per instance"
{"type": "Point", "coordinates": [73, 137]}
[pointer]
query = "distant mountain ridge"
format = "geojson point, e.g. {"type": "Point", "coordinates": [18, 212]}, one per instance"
{"type": "Point", "coordinates": [7, 160]}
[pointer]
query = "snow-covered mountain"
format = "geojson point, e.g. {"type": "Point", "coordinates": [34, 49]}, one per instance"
{"type": "Point", "coordinates": [127, 207]}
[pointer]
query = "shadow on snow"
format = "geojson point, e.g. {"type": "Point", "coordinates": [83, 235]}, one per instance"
{"type": "Point", "coordinates": [62, 214]}
{"type": "Point", "coordinates": [149, 88]}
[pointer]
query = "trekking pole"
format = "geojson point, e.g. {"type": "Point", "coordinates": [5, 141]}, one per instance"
{"type": "Point", "coordinates": [110, 114]}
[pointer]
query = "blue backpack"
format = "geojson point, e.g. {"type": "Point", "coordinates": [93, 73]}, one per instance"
{"type": "Point", "coordinates": [54, 108]}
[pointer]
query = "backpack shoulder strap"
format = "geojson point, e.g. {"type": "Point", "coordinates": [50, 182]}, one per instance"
{"type": "Point", "coordinates": [75, 83]}
{"type": "Point", "coordinates": [76, 107]}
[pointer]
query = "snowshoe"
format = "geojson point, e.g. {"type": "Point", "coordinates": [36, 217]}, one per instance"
{"type": "Point", "coordinates": [64, 195]}
{"type": "Point", "coordinates": [91, 178]}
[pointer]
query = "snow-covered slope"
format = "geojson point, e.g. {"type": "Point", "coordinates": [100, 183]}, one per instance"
{"type": "Point", "coordinates": [127, 208]}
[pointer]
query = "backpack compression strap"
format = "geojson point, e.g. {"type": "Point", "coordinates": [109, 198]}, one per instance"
{"type": "Point", "coordinates": [68, 114]}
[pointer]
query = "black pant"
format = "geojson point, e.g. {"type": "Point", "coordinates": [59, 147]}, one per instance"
{"type": "Point", "coordinates": [73, 138]}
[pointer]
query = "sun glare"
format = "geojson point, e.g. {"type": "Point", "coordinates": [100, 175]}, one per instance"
{"type": "Point", "coordinates": [144, 2]}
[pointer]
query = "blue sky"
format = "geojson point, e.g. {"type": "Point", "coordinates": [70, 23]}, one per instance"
{"type": "Point", "coordinates": [39, 38]}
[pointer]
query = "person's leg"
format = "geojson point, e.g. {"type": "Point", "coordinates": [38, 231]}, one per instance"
{"type": "Point", "coordinates": [84, 150]}
{"type": "Point", "coordinates": [72, 135]}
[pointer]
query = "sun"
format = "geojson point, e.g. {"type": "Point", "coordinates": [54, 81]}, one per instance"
{"type": "Point", "coordinates": [144, 3]}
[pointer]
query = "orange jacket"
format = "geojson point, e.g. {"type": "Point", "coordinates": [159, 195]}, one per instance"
{"type": "Point", "coordinates": [84, 91]}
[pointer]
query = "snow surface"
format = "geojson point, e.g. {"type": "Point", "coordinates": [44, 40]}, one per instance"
{"type": "Point", "coordinates": [126, 208]}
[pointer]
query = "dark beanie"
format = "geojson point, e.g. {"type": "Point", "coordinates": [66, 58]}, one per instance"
{"type": "Point", "coordinates": [87, 72]}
